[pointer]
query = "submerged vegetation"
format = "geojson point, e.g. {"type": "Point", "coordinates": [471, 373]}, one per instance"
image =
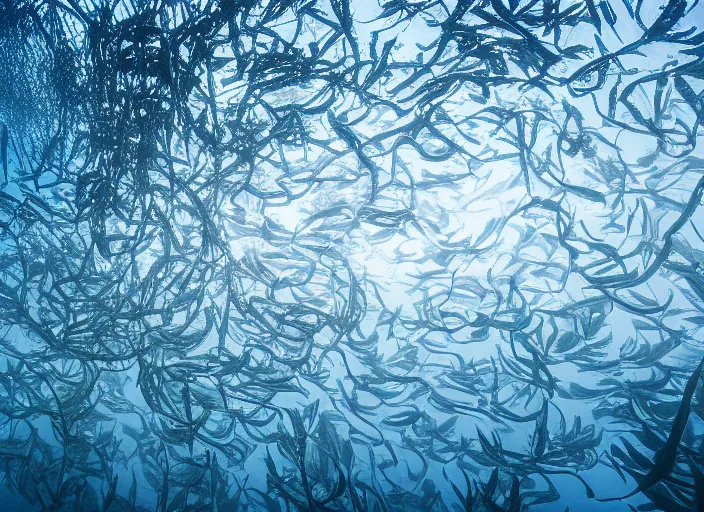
{"type": "Point", "coordinates": [345, 255]}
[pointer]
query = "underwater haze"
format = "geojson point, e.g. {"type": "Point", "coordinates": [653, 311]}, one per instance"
{"type": "Point", "coordinates": [351, 255]}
